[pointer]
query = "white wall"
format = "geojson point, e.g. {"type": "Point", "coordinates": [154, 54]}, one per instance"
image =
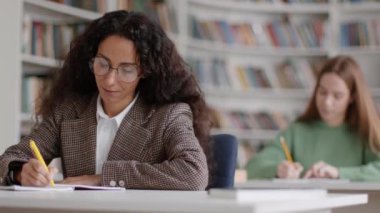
{"type": "Point", "coordinates": [10, 72]}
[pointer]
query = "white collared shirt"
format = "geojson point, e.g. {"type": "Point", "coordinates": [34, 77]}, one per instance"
{"type": "Point", "coordinates": [106, 131]}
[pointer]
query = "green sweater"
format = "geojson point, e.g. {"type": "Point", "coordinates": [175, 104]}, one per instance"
{"type": "Point", "coordinates": [310, 143]}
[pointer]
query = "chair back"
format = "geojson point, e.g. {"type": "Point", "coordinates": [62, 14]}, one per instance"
{"type": "Point", "coordinates": [224, 156]}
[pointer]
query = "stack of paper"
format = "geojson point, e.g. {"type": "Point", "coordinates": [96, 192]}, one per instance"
{"type": "Point", "coordinates": [254, 195]}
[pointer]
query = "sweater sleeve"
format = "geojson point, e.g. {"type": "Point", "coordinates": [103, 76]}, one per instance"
{"type": "Point", "coordinates": [264, 164]}
{"type": "Point", "coordinates": [369, 171]}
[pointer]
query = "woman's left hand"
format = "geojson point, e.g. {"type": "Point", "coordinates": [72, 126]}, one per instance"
{"type": "Point", "coordinates": [90, 180]}
{"type": "Point", "coordinates": [322, 170]}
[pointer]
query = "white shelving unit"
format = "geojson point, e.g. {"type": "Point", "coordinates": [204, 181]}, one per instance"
{"type": "Point", "coordinates": [257, 99]}
{"type": "Point", "coordinates": [34, 65]}
{"type": "Point", "coordinates": [54, 11]}
{"type": "Point", "coordinates": [335, 12]}
{"type": "Point", "coordinates": [15, 63]}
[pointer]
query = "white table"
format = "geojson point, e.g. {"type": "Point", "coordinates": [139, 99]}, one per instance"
{"type": "Point", "coordinates": [370, 188]}
{"type": "Point", "coordinates": [159, 201]}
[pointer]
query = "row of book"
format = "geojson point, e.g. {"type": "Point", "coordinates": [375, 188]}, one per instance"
{"type": "Point", "coordinates": [360, 33]}
{"type": "Point", "coordinates": [32, 88]}
{"type": "Point", "coordinates": [308, 1]}
{"type": "Point", "coordinates": [157, 10]}
{"type": "Point", "coordinates": [261, 120]}
{"type": "Point", "coordinates": [47, 39]}
{"type": "Point", "coordinates": [290, 1]}
{"type": "Point", "coordinates": [278, 33]}
{"type": "Point", "coordinates": [359, 1]}
{"type": "Point", "coordinates": [216, 73]}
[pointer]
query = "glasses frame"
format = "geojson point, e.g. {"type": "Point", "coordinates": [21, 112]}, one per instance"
{"type": "Point", "coordinates": [110, 68]}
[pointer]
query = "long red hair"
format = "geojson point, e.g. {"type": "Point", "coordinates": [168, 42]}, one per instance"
{"type": "Point", "coordinates": [361, 114]}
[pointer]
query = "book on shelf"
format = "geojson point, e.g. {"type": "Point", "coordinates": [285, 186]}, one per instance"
{"type": "Point", "coordinates": [258, 195]}
{"type": "Point", "coordinates": [293, 1]}
{"type": "Point", "coordinates": [252, 120]}
{"type": "Point", "coordinates": [44, 38]}
{"type": "Point", "coordinates": [32, 88]}
{"type": "Point", "coordinates": [218, 73]}
{"type": "Point", "coordinates": [157, 10]}
{"type": "Point", "coordinates": [358, 1]}
{"type": "Point", "coordinates": [362, 33]}
{"type": "Point", "coordinates": [276, 33]}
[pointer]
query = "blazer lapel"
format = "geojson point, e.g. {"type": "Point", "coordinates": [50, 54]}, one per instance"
{"type": "Point", "coordinates": [79, 142]}
{"type": "Point", "coordinates": [132, 137]}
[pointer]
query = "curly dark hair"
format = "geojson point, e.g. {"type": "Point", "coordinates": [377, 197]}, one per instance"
{"type": "Point", "coordinates": [167, 78]}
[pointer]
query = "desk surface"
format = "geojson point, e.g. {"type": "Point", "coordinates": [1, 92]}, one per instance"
{"type": "Point", "coordinates": [298, 184]}
{"type": "Point", "coordinates": [161, 201]}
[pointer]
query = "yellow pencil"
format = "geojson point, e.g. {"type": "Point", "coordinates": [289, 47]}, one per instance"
{"type": "Point", "coordinates": [38, 155]}
{"type": "Point", "coordinates": [286, 150]}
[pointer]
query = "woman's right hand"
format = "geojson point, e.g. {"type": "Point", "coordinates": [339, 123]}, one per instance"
{"type": "Point", "coordinates": [288, 170]}
{"type": "Point", "coordinates": [33, 173]}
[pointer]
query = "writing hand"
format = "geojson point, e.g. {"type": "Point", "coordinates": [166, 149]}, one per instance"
{"type": "Point", "coordinates": [33, 173]}
{"type": "Point", "coordinates": [90, 180]}
{"type": "Point", "coordinates": [289, 170]}
{"type": "Point", "coordinates": [322, 170]}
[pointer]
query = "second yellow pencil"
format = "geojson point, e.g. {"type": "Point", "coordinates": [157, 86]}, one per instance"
{"type": "Point", "coordinates": [286, 150]}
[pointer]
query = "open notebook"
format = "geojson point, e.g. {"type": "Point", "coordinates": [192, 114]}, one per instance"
{"type": "Point", "coordinates": [60, 187]}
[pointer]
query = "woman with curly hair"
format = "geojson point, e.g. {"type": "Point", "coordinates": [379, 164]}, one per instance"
{"type": "Point", "coordinates": [124, 110]}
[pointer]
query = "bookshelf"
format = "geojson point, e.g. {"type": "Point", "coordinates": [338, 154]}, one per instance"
{"type": "Point", "coordinates": [265, 53]}
{"type": "Point", "coordinates": [40, 53]}
{"type": "Point", "coordinates": [215, 48]}
{"type": "Point", "coordinates": [29, 59]}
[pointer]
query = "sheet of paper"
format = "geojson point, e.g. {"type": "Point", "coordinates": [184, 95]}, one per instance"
{"type": "Point", "coordinates": [33, 188]}
{"type": "Point", "coordinates": [311, 180]}
{"type": "Point", "coordinates": [60, 187]}
{"type": "Point", "coordinates": [87, 187]}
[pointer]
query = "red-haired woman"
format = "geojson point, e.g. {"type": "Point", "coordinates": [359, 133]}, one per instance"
{"type": "Point", "coordinates": [338, 135]}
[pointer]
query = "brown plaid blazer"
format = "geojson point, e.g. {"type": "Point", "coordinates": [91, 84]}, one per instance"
{"type": "Point", "coordinates": [154, 147]}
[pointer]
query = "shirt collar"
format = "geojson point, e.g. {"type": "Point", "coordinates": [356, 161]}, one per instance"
{"type": "Point", "coordinates": [100, 114]}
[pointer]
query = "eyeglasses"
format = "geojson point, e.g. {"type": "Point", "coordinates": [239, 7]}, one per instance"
{"type": "Point", "coordinates": [126, 72]}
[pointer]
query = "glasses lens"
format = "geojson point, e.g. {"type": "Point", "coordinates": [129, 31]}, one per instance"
{"type": "Point", "coordinates": [128, 72]}
{"type": "Point", "coordinates": [100, 66]}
